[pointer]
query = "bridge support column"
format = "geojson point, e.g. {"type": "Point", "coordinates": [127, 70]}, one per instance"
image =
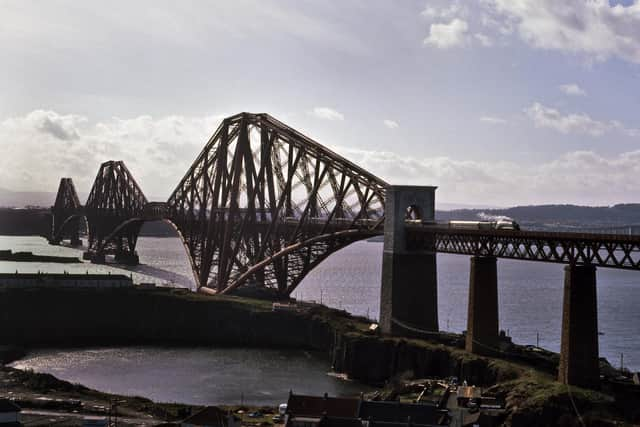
{"type": "Point", "coordinates": [579, 359]}
{"type": "Point", "coordinates": [409, 295]}
{"type": "Point", "coordinates": [482, 320]}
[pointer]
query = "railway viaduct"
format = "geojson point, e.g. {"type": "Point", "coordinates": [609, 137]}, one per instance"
{"type": "Point", "coordinates": [263, 204]}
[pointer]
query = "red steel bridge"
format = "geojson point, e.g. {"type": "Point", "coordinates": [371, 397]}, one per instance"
{"type": "Point", "coordinates": [263, 205]}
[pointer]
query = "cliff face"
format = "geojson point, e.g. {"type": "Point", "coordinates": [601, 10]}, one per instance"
{"type": "Point", "coordinates": [82, 317]}
{"type": "Point", "coordinates": [78, 317]}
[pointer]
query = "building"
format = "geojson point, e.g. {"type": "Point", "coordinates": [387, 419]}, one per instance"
{"type": "Point", "coordinates": [325, 411]}
{"type": "Point", "coordinates": [211, 416]}
{"type": "Point", "coordinates": [379, 413]}
{"type": "Point", "coordinates": [63, 280]}
{"type": "Point", "coordinates": [310, 411]}
{"type": "Point", "coordinates": [95, 421]}
{"type": "Point", "coordinates": [9, 413]}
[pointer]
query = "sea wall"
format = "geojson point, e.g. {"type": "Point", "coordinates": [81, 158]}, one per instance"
{"type": "Point", "coordinates": [86, 317]}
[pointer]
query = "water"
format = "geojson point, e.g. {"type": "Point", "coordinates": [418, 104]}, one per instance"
{"type": "Point", "coordinates": [162, 260]}
{"type": "Point", "coordinates": [201, 376]}
{"type": "Point", "coordinates": [530, 302]}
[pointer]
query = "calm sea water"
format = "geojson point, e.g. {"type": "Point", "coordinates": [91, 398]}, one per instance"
{"type": "Point", "coordinates": [530, 301]}
{"type": "Point", "coordinates": [197, 375]}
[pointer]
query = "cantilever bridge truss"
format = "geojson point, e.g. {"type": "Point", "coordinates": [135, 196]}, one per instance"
{"type": "Point", "coordinates": [261, 206]}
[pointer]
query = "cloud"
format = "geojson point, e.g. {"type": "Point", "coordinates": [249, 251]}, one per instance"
{"type": "Point", "coordinates": [327, 113]}
{"type": "Point", "coordinates": [453, 10]}
{"type": "Point", "coordinates": [594, 28]}
{"type": "Point", "coordinates": [62, 127]}
{"type": "Point", "coordinates": [576, 177]}
{"type": "Point", "coordinates": [46, 146]}
{"type": "Point", "coordinates": [445, 36]}
{"type": "Point", "coordinates": [158, 151]}
{"type": "Point", "coordinates": [572, 89]}
{"type": "Point", "coordinates": [493, 120]}
{"type": "Point", "coordinates": [391, 124]}
{"type": "Point", "coordinates": [547, 117]}
{"type": "Point", "coordinates": [484, 40]}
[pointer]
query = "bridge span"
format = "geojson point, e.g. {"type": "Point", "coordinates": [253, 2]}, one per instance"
{"type": "Point", "coordinates": [263, 204]}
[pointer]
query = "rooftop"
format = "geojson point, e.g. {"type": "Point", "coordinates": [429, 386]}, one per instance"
{"type": "Point", "coordinates": [318, 406]}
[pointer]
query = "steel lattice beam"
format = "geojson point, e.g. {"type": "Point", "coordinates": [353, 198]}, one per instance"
{"type": "Point", "coordinates": [256, 192]}
{"type": "Point", "coordinates": [601, 250]}
{"type": "Point", "coordinates": [114, 201]}
{"type": "Point", "coordinates": [66, 213]}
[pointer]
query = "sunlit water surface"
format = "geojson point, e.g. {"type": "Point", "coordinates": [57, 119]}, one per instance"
{"type": "Point", "coordinates": [200, 376]}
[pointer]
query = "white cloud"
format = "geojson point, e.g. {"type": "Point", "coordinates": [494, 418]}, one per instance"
{"type": "Point", "coordinates": [484, 40]}
{"type": "Point", "coordinates": [572, 89]}
{"type": "Point", "coordinates": [493, 120]}
{"type": "Point", "coordinates": [444, 36]}
{"type": "Point", "coordinates": [594, 28]}
{"type": "Point", "coordinates": [61, 127]}
{"type": "Point", "coordinates": [453, 10]}
{"type": "Point", "coordinates": [577, 177]}
{"type": "Point", "coordinates": [327, 113]}
{"type": "Point", "coordinates": [46, 145]}
{"type": "Point", "coordinates": [391, 124]}
{"type": "Point", "coordinates": [158, 151]}
{"type": "Point", "coordinates": [548, 117]}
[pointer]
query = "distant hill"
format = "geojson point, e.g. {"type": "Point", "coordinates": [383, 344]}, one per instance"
{"type": "Point", "coordinates": [19, 199]}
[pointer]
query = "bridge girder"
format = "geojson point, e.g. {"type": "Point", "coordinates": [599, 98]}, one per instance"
{"type": "Point", "coordinates": [66, 213]}
{"type": "Point", "coordinates": [259, 187]}
{"type": "Point", "coordinates": [114, 200]}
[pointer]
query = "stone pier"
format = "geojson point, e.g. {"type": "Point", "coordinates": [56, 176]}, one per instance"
{"type": "Point", "coordinates": [579, 363]}
{"type": "Point", "coordinates": [409, 295]}
{"type": "Point", "coordinates": [482, 320]}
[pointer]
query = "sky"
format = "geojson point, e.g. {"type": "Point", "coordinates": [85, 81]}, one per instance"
{"type": "Point", "coordinates": [496, 102]}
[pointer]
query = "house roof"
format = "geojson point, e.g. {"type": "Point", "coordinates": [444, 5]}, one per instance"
{"type": "Point", "coordinates": [407, 423]}
{"type": "Point", "coordinates": [317, 406]}
{"type": "Point", "coordinates": [210, 416]}
{"type": "Point", "coordinates": [397, 412]}
{"type": "Point", "coordinates": [7, 405]}
{"type": "Point", "coordinates": [339, 422]}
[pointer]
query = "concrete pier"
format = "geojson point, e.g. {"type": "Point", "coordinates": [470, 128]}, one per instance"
{"type": "Point", "coordinates": [579, 347]}
{"type": "Point", "coordinates": [482, 320]}
{"type": "Point", "coordinates": [409, 295]}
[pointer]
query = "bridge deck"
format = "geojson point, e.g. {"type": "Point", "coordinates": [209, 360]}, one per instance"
{"type": "Point", "coordinates": [603, 250]}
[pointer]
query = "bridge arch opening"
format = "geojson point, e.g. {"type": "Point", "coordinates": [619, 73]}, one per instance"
{"type": "Point", "coordinates": [64, 229]}
{"type": "Point", "coordinates": [324, 245]}
{"type": "Point", "coordinates": [414, 213]}
{"type": "Point", "coordinates": [175, 232]}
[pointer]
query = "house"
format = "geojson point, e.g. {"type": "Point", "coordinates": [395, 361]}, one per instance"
{"type": "Point", "coordinates": [9, 413]}
{"type": "Point", "coordinates": [379, 413]}
{"type": "Point", "coordinates": [211, 416]}
{"type": "Point", "coordinates": [315, 411]}
{"type": "Point", "coordinates": [312, 411]}
{"type": "Point", "coordinates": [95, 421]}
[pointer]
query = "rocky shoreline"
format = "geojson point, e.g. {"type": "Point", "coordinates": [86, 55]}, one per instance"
{"type": "Point", "coordinates": [524, 380]}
